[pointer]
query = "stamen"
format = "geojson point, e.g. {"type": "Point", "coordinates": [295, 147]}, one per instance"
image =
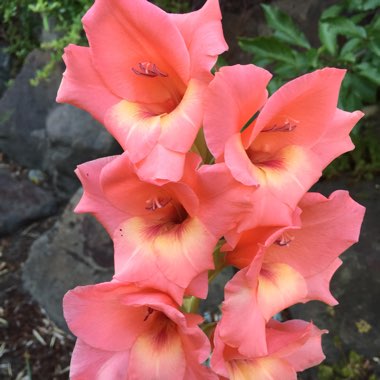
{"type": "Point", "coordinates": [284, 240]}
{"type": "Point", "coordinates": [148, 69]}
{"type": "Point", "coordinates": [150, 311]}
{"type": "Point", "coordinates": [288, 125]}
{"type": "Point", "coordinates": [156, 203]}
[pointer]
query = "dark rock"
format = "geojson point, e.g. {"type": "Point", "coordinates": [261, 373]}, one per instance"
{"type": "Point", "coordinates": [356, 285]}
{"type": "Point", "coordinates": [22, 202]}
{"type": "Point", "coordinates": [75, 251]}
{"type": "Point", "coordinates": [73, 137]}
{"type": "Point", "coordinates": [5, 59]}
{"type": "Point", "coordinates": [23, 110]}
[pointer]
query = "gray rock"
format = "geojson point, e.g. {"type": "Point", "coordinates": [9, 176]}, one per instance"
{"type": "Point", "coordinates": [356, 284]}
{"type": "Point", "coordinates": [5, 59]}
{"type": "Point", "coordinates": [23, 110]}
{"type": "Point", "coordinates": [75, 251]}
{"type": "Point", "coordinates": [22, 202]}
{"type": "Point", "coordinates": [73, 137]}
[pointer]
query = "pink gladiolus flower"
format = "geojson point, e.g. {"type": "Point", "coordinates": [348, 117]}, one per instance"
{"type": "Point", "coordinates": [293, 346]}
{"type": "Point", "coordinates": [144, 76]}
{"type": "Point", "coordinates": [280, 150]}
{"type": "Point", "coordinates": [126, 332]}
{"type": "Point", "coordinates": [164, 235]}
{"type": "Point", "coordinates": [288, 266]}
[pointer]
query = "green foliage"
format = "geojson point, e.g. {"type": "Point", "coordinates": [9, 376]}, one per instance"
{"type": "Point", "coordinates": [19, 29]}
{"type": "Point", "coordinates": [349, 34]}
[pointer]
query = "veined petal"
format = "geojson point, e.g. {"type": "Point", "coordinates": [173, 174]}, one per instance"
{"type": "Point", "coordinates": [163, 347]}
{"type": "Point", "coordinates": [82, 86]}
{"type": "Point", "coordinates": [178, 252]}
{"type": "Point", "coordinates": [266, 368]}
{"type": "Point", "coordinates": [203, 36]}
{"type": "Point", "coordinates": [280, 286]}
{"type": "Point", "coordinates": [123, 34]}
{"type": "Point", "coordinates": [135, 128]}
{"type": "Point", "coordinates": [232, 98]}
{"type": "Point", "coordinates": [303, 106]}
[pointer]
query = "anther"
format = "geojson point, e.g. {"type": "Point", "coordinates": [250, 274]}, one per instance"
{"type": "Point", "coordinates": [148, 69]}
{"type": "Point", "coordinates": [284, 240]}
{"type": "Point", "coordinates": [286, 126]}
{"type": "Point", "coordinates": [150, 311]}
{"type": "Point", "coordinates": [156, 203]}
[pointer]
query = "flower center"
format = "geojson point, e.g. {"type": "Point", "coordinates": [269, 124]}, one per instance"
{"type": "Point", "coordinates": [148, 69]}
{"type": "Point", "coordinates": [283, 125]}
{"type": "Point", "coordinates": [284, 240]}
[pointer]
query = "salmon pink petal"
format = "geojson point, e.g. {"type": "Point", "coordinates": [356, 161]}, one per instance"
{"type": "Point", "coordinates": [82, 86]}
{"type": "Point", "coordinates": [261, 368]}
{"type": "Point", "coordinates": [318, 286]}
{"type": "Point", "coordinates": [89, 306]}
{"type": "Point", "coordinates": [180, 127]}
{"type": "Point", "coordinates": [296, 341]}
{"type": "Point", "coordinates": [134, 127]}
{"type": "Point", "coordinates": [224, 202]}
{"type": "Point", "coordinates": [119, 179]}
{"type": "Point", "coordinates": [203, 36]}
{"type": "Point", "coordinates": [280, 286]}
{"type": "Point", "coordinates": [329, 227]}
{"type": "Point", "coordinates": [337, 137]}
{"type": "Point", "coordinates": [198, 287]}
{"type": "Point", "coordinates": [299, 112]}
{"type": "Point", "coordinates": [165, 353]}
{"type": "Point", "coordinates": [161, 166]}
{"type": "Point", "coordinates": [123, 34]}
{"type": "Point", "coordinates": [241, 308]}
{"type": "Point", "coordinates": [93, 200]}
{"type": "Point", "coordinates": [91, 363]}
{"type": "Point", "coordinates": [232, 98]}
{"type": "Point", "coordinates": [178, 252]}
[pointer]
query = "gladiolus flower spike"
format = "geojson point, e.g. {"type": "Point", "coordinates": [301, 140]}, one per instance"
{"type": "Point", "coordinates": [177, 218]}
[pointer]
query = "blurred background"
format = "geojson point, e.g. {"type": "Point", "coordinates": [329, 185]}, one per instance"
{"type": "Point", "coordinates": [45, 249]}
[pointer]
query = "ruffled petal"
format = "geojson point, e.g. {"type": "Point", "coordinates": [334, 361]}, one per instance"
{"type": "Point", "coordinates": [336, 140]}
{"type": "Point", "coordinates": [299, 112]}
{"type": "Point", "coordinates": [203, 36]}
{"type": "Point", "coordinates": [232, 98]}
{"type": "Point", "coordinates": [93, 199]}
{"type": "Point", "coordinates": [82, 86]}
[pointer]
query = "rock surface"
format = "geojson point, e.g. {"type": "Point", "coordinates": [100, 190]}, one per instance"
{"type": "Point", "coordinates": [75, 251]}
{"type": "Point", "coordinates": [22, 202]}
{"type": "Point", "coordinates": [73, 137]}
{"type": "Point", "coordinates": [23, 110]}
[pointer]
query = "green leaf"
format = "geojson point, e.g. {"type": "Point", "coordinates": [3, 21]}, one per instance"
{"type": "Point", "coordinates": [331, 12]}
{"type": "Point", "coordinates": [346, 27]}
{"type": "Point", "coordinates": [370, 4]}
{"type": "Point", "coordinates": [374, 46]}
{"type": "Point", "coordinates": [284, 27]}
{"type": "Point", "coordinates": [327, 37]}
{"type": "Point", "coordinates": [349, 49]}
{"type": "Point", "coordinates": [268, 48]}
{"type": "Point", "coordinates": [370, 72]}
